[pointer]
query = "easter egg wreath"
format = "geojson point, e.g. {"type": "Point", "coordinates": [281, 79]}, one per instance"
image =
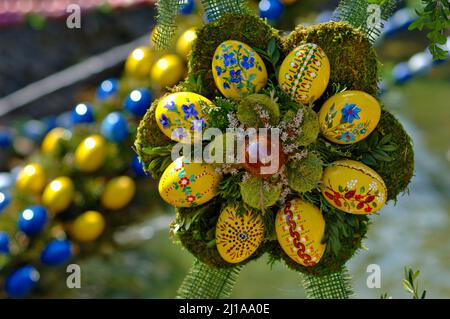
{"type": "Point", "coordinates": [340, 154]}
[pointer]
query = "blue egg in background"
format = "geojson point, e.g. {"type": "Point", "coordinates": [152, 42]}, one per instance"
{"type": "Point", "coordinates": [35, 130]}
{"type": "Point", "coordinates": [187, 7]}
{"type": "Point", "coordinates": [137, 168]}
{"type": "Point", "coordinates": [56, 253]}
{"type": "Point", "coordinates": [5, 199]}
{"type": "Point", "coordinates": [4, 242]}
{"type": "Point", "coordinates": [6, 138]}
{"type": "Point", "coordinates": [64, 120]}
{"type": "Point", "coordinates": [107, 88]}
{"type": "Point", "coordinates": [32, 220]}
{"type": "Point", "coordinates": [82, 113]}
{"type": "Point", "coordinates": [401, 73]}
{"type": "Point", "coordinates": [271, 9]}
{"type": "Point", "coordinates": [115, 127]}
{"type": "Point", "coordinates": [20, 283]}
{"type": "Point", "coordinates": [138, 101]}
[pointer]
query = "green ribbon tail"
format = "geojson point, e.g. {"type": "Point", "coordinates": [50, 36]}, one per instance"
{"type": "Point", "coordinates": [332, 286]}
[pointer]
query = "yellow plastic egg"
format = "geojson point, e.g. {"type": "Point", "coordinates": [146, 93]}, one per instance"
{"type": "Point", "coordinates": [58, 195]}
{"type": "Point", "coordinates": [181, 115]}
{"type": "Point", "coordinates": [118, 192]}
{"type": "Point", "coordinates": [167, 71]}
{"type": "Point", "coordinates": [185, 42]}
{"type": "Point", "coordinates": [88, 226]}
{"type": "Point", "coordinates": [91, 153]}
{"type": "Point", "coordinates": [32, 178]}
{"type": "Point", "coordinates": [188, 184]}
{"type": "Point", "coordinates": [304, 73]}
{"type": "Point", "coordinates": [353, 187]}
{"type": "Point", "coordinates": [139, 63]}
{"type": "Point", "coordinates": [238, 69]}
{"type": "Point", "coordinates": [349, 117]}
{"type": "Point", "coordinates": [300, 228]}
{"type": "Point", "coordinates": [238, 236]}
{"type": "Point", "coordinates": [51, 140]}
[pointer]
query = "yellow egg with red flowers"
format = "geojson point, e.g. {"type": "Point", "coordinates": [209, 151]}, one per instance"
{"type": "Point", "coordinates": [32, 178]}
{"type": "Point", "coordinates": [53, 138]}
{"type": "Point", "coordinates": [88, 226]}
{"type": "Point", "coordinates": [185, 42]}
{"type": "Point", "coordinates": [167, 71]}
{"type": "Point", "coordinates": [139, 62]}
{"type": "Point", "coordinates": [58, 194]}
{"type": "Point", "coordinates": [90, 155]}
{"type": "Point", "coordinates": [300, 228]}
{"type": "Point", "coordinates": [118, 192]}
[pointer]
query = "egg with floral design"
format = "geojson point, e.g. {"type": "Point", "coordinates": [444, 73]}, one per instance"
{"type": "Point", "coordinates": [304, 73]}
{"type": "Point", "coordinates": [238, 236]}
{"type": "Point", "coordinates": [349, 117]}
{"type": "Point", "coordinates": [300, 228]}
{"type": "Point", "coordinates": [188, 184]}
{"type": "Point", "coordinates": [238, 69]}
{"type": "Point", "coordinates": [182, 116]}
{"type": "Point", "coordinates": [353, 187]}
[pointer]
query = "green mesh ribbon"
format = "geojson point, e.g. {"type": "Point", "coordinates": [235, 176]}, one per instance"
{"type": "Point", "coordinates": [333, 286]}
{"type": "Point", "coordinates": [214, 9]}
{"type": "Point", "coordinates": [204, 282]}
{"type": "Point", "coordinates": [164, 31]}
{"type": "Point", "coordinates": [368, 15]}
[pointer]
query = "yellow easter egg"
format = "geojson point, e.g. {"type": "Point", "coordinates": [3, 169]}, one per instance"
{"type": "Point", "coordinates": [58, 194]}
{"type": "Point", "coordinates": [185, 42]}
{"type": "Point", "coordinates": [304, 73]}
{"type": "Point", "coordinates": [238, 236]}
{"type": "Point", "coordinates": [139, 63]}
{"type": "Point", "coordinates": [353, 187]}
{"type": "Point", "coordinates": [300, 228]}
{"type": "Point", "coordinates": [118, 192]}
{"type": "Point", "coordinates": [349, 117]}
{"type": "Point", "coordinates": [91, 153]}
{"type": "Point", "coordinates": [167, 71]}
{"type": "Point", "coordinates": [32, 178]}
{"type": "Point", "coordinates": [53, 138]}
{"type": "Point", "coordinates": [188, 184]}
{"type": "Point", "coordinates": [88, 226]}
{"type": "Point", "coordinates": [238, 69]}
{"type": "Point", "coordinates": [181, 116]}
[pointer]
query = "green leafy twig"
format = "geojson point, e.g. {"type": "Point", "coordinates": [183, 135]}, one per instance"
{"type": "Point", "coordinates": [411, 285]}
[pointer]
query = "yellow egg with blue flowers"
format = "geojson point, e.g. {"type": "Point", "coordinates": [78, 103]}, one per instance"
{"type": "Point", "coordinates": [32, 178]}
{"type": "Point", "coordinates": [58, 194]}
{"type": "Point", "coordinates": [118, 192]}
{"type": "Point", "coordinates": [90, 155]}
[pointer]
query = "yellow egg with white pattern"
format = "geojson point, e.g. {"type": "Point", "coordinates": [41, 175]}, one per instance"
{"type": "Point", "coordinates": [139, 63]}
{"type": "Point", "coordinates": [58, 194]}
{"type": "Point", "coordinates": [238, 236]}
{"type": "Point", "coordinates": [300, 228]}
{"type": "Point", "coordinates": [304, 73]}
{"type": "Point", "coordinates": [32, 178]}
{"type": "Point", "coordinates": [167, 71]}
{"type": "Point", "coordinates": [185, 42]}
{"type": "Point", "coordinates": [118, 192]}
{"type": "Point", "coordinates": [90, 155]}
{"type": "Point", "coordinates": [353, 187]}
{"type": "Point", "coordinates": [53, 138]}
{"type": "Point", "coordinates": [185, 184]}
{"type": "Point", "coordinates": [238, 69]}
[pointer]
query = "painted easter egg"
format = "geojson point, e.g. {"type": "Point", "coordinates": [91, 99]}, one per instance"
{"type": "Point", "coordinates": [353, 187]}
{"type": "Point", "coordinates": [32, 178]}
{"type": "Point", "coordinates": [91, 153]}
{"type": "Point", "coordinates": [58, 194]}
{"type": "Point", "coordinates": [238, 236]}
{"type": "Point", "coordinates": [181, 115]}
{"type": "Point", "coordinates": [349, 117]}
{"type": "Point", "coordinates": [167, 71]}
{"type": "Point", "coordinates": [300, 228]}
{"type": "Point", "coordinates": [53, 138]}
{"type": "Point", "coordinates": [238, 69]}
{"type": "Point", "coordinates": [185, 42]}
{"type": "Point", "coordinates": [118, 192]}
{"type": "Point", "coordinates": [304, 73]}
{"type": "Point", "coordinates": [188, 184]}
{"type": "Point", "coordinates": [88, 226]}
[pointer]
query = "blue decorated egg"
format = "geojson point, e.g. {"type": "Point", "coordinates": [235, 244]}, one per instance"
{"type": "Point", "coordinates": [115, 127]}
{"type": "Point", "coordinates": [138, 101]}
{"type": "Point", "coordinates": [21, 282]}
{"type": "Point", "coordinates": [82, 113]}
{"type": "Point", "coordinates": [32, 220]}
{"type": "Point", "coordinates": [107, 88]}
{"type": "Point", "coordinates": [56, 253]}
{"type": "Point", "coordinates": [4, 242]}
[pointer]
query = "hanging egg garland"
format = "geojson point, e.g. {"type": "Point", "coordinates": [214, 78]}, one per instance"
{"type": "Point", "coordinates": [20, 283]}
{"type": "Point", "coordinates": [91, 153]}
{"type": "Point", "coordinates": [138, 101]}
{"type": "Point", "coordinates": [88, 226]}
{"type": "Point", "coordinates": [114, 127]}
{"type": "Point", "coordinates": [31, 178]}
{"type": "Point", "coordinates": [4, 242]}
{"type": "Point", "coordinates": [238, 69]}
{"type": "Point", "coordinates": [56, 253]}
{"type": "Point", "coordinates": [82, 113]}
{"type": "Point", "coordinates": [118, 193]}
{"type": "Point", "coordinates": [58, 194]}
{"type": "Point", "coordinates": [167, 71]}
{"type": "Point", "coordinates": [32, 220]}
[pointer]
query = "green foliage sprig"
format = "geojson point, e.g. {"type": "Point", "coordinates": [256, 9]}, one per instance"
{"type": "Point", "coordinates": [411, 285]}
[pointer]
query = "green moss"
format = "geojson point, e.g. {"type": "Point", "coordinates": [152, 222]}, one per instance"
{"type": "Point", "coordinates": [257, 194]}
{"type": "Point", "coordinates": [247, 110]}
{"type": "Point", "coordinates": [309, 126]}
{"type": "Point", "coordinates": [353, 61]}
{"type": "Point", "coordinates": [305, 174]}
{"type": "Point", "coordinates": [248, 29]}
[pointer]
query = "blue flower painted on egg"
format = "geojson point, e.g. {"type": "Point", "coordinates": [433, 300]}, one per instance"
{"type": "Point", "coordinates": [236, 76]}
{"type": "Point", "coordinates": [164, 121]}
{"type": "Point", "coordinates": [347, 137]}
{"type": "Point", "coordinates": [228, 59]}
{"type": "Point", "coordinates": [350, 113]}
{"type": "Point", "coordinates": [248, 62]}
{"type": "Point", "coordinates": [218, 70]}
{"type": "Point", "coordinates": [170, 106]}
{"type": "Point", "coordinates": [198, 125]}
{"type": "Point", "coordinates": [189, 110]}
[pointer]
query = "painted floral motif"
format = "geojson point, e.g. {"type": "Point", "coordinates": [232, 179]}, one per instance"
{"type": "Point", "coordinates": [184, 183]}
{"type": "Point", "coordinates": [350, 113]}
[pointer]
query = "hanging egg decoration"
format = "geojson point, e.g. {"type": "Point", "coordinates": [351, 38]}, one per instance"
{"type": "Point", "coordinates": [185, 42]}
{"type": "Point", "coordinates": [353, 187]}
{"type": "Point", "coordinates": [114, 127]}
{"type": "Point", "coordinates": [238, 236]}
{"type": "Point", "coordinates": [138, 101]}
{"type": "Point", "coordinates": [32, 178]}
{"type": "Point", "coordinates": [53, 138]}
{"type": "Point", "coordinates": [300, 228]}
{"type": "Point", "coordinates": [271, 10]}
{"type": "Point", "coordinates": [167, 71]}
{"type": "Point", "coordinates": [20, 283]}
{"type": "Point", "coordinates": [58, 194]}
{"type": "Point", "coordinates": [82, 113]}
{"type": "Point", "coordinates": [187, 184]}
{"type": "Point", "coordinates": [349, 117]}
{"type": "Point", "coordinates": [137, 167]}
{"type": "Point", "coordinates": [139, 63]}
{"type": "Point", "coordinates": [32, 220]}
{"type": "Point", "coordinates": [304, 73]}
{"type": "Point", "coordinates": [56, 253]}
{"type": "Point", "coordinates": [118, 192]}
{"type": "Point", "coordinates": [4, 242]}
{"type": "Point", "coordinates": [90, 155]}
{"type": "Point", "coordinates": [182, 116]}
{"type": "Point", "coordinates": [88, 226]}
{"type": "Point", "coordinates": [238, 69]}
{"type": "Point", "coordinates": [107, 89]}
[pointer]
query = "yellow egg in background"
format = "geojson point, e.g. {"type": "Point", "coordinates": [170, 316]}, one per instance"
{"type": "Point", "coordinates": [167, 71]}
{"type": "Point", "coordinates": [300, 228]}
{"type": "Point", "coordinates": [53, 138]}
{"type": "Point", "coordinates": [238, 69]}
{"type": "Point", "coordinates": [32, 178]}
{"type": "Point", "coordinates": [185, 42]}
{"type": "Point", "coordinates": [90, 155]}
{"type": "Point", "coordinates": [188, 184]}
{"type": "Point", "coordinates": [353, 187]}
{"type": "Point", "coordinates": [58, 194]}
{"type": "Point", "coordinates": [88, 226]}
{"type": "Point", "coordinates": [139, 63]}
{"type": "Point", "coordinates": [118, 192]}
{"type": "Point", "coordinates": [349, 117]}
{"type": "Point", "coordinates": [238, 236]}
{"type": "Point", "coordinates": [304, 73]}
{"type": "Point", "coordinates": [181, 115]}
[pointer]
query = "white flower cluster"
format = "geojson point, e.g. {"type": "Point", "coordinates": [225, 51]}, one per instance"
{"type": "Point", "coordinates": [263, 115]}
{"type": "Point", "coordinates": [373, 186]}
{"type": "Point", "coordinates": [234, 122]}
{"type": "Point", "coordinates": [227, 169]}
{"type": "Point", "coordinates": [352, 183]}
